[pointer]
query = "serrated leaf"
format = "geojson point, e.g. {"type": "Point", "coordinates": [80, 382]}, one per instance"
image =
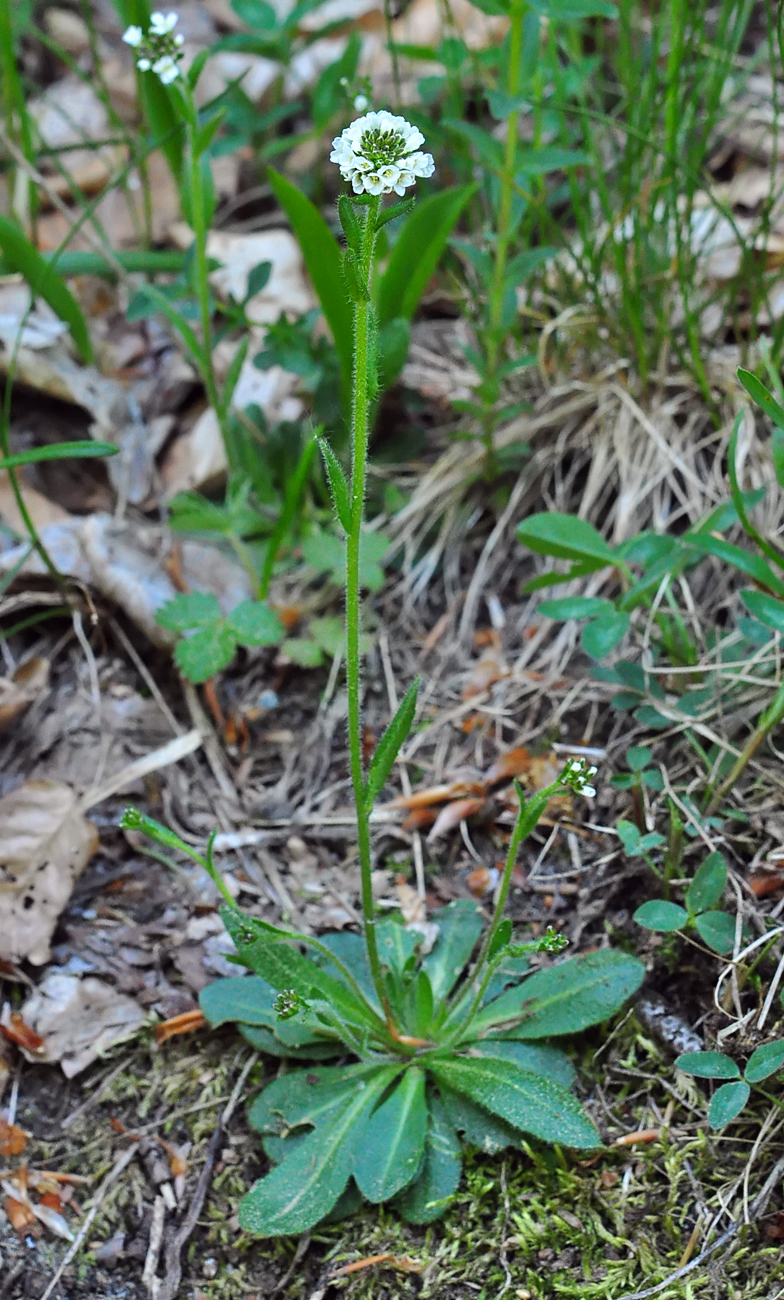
{"type": "Point", "coordinates": [337, 484]}
{"type": "Point", "coordinates": [460, 926]}
{"type": "Point", "coordinates": [727, 1102]}
{"type": "Point", "coordinates": [717, 929]}
{"type": "Point", "coordinates": [575, 607]}
{"type": "Point", "coordinates": [206, 653]}
{"type": "Point", "coordinates": [254, 623]}
{"type": "Point", "coordinates": [661, 916]}
{"type": "Point", "coordinates": [579, 992]}
{"type": "Point", "coordinates": [565, 537]}
{"type": "Point", "coordinates": [389, 745]}
{"type": "Point", "coordinates": [708, 1065]}
{"type": "Point", "coordinates": [183, 612]}
{"type": "Point", "coordinates": [524, 1100]}
{"type": "Point", "coordinates": [603, 634]}
{"type": "Point", "coordinates": [46, 282]}
{"type": "Point", "coordinates": [425, 1200]}
{"type": "Point", "coordinates": [391, 1144]}
{"type": "Point", "coordinates": [766, 1060]}
{"type": "Point", "coordinates": [767, 609]}
{"type": "Point", "coordinates": [546, 1061]}
{"type": "Point", "coordinates": [417, 252]}
{"type": "Point", "coordinates": [708, 885]}
{"type": "Point", "coordinates": [307, 1184]}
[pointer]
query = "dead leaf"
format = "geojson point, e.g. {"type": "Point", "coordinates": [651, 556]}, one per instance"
{"type": "Point", "coordinates": [766, 882]}
{"type": "Point", "coordinates": [12, 1139]}
{"type": "Point", "coordinates": [482, 881]}
{"type": "Point", "coordinates": [68, 29]}
{"type": "Point", "coordinates": [197, 459]}
{"type": "Point", "coordinates": [13, 1027]}
{"type": "Point", "coordinates": [44, 844]}
{"type": "Point", "coordinates": [516, 762]}
{"type": "Point", "coordinates": [287, 289]}
{"type": "Point", "coordinates": [402, 1262]}
{"type": "Point", "coordinates": [185, 1023]}
{"type": "Point", "coordinates": [79, 1019]}
{"type": "Point", "coordinates": [484, 674]}
{"type": "Point", "coordinates": [52, 1219]}
{"type": "Point", "coordinates": [412, 907]}
{"type": "Point", "coordinates": [20, 1215]}
{"type": "Point", "coordinates": [29, 682]}
{"type": "Point", "coordinates": [454, 814]}
{"type": "Point", "coordinates": [437, 794]}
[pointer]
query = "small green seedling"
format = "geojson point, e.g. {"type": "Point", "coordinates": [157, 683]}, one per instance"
{"type": "Point", "coordinates": [639, 774]}
{"type": "Point", "coordinates": [214, 636]}
{"type": "Point", "coordinates": [729, 1100]}
{"type": "Point", "coordinates": [715, 928]}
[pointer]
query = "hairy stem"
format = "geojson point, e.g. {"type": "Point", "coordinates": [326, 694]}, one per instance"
{"type": "Point", "coordinates": [202, 269]}
{"type": "Point", "coordinates": [360, 412]}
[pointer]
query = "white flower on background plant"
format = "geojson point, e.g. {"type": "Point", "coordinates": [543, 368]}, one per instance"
{"type": "Point", "coordinates": [361, 102]}
{"type": "Point", "coordinates": [133, 36]}
{"type": "Point", "coordinates": [166, 69]}
{"type": "Point", "coordinates": [143, 65]}
{"type": "Point", "coordinates": [162, 24]}
{"type": "Point", "coordinates": [379, 154]}
{"type": "Point", "coordinates": [577, 774]}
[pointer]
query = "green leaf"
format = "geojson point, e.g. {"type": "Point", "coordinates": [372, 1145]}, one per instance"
{"type": "Point", "coordinates": [708, 885]}
{"type": "Point", "coordinates": [303, 652]}
{"type": "Point", "coordinates": [394, 340]}
{"type": "Point", "coordinates": [337, 484]}
{"type": "Point", "coordinates": [638, 757]}
{"type": "Point", "coordinates": [206, 653]}
{"type": "Point", "coordinates": [777, 455]}
{"type": "Point", "coordinates": [501, 938]}
{"type": "Point", "coordinates": [307, 1184]}
{"type": "Point", "coordinates": [460, 926]}
{"type": "Point", "coordinates": [575, 607]}
{"type": "Point", "coordinates": [767, 609]}
{"type": "Point", "coordinates": [574, 10]}
{"type": "Point", "coordinates": [21, 255]}
{"type": "Point", "coordinates": [579, 992]}
{"type": "Point", "coordinates": [417, 251]}
{"type": "Point", "coordinates": [254, 623]}
{"type": "Point", "coordinates": [427, 1197]}
{"type": "Point", "coordinates": [246, 998]}
{"type": "Point", "coordinates": [84, 450]}
{"type": "Point", "coordinates": [394, 211]}
{"type": "Point", "coordinates": [258, 279]}
{"type": "Point", "coordinates": [537, 162]}
{"type": "Point", "coordinates": [481, 1129]}
{"type": "Point", "coordinates": [708, 1065]}
{"type": "Point", "coordinates": [759, 394]}
{"type": "Point", "coordinates": [233, 374]}
{"type": "Point", "coordinates": [525, 263]}
{"type": "Point", "coordinates": [388, 747]}
{"type": "Point", "coordinates": [313, 1049]}
{"type": "Point", "coordinates": [510, 970]}
{"type": "Point", "coordinates": [661, 916]}
{"type": "Point", "coordinates": [727, 1103]}
{"type": "Point", "coordinates": [522, 1099]}
{"type": "Point", "coordinates": [349, 223]}
{"type": "Point", "coordinates": [396, 944]}
{"type": "Point", "coordinates": [744, 561]}
{"type": "Point", "coordinates": [323, 259]}
{"type": "Point", "coordinates": [302, 1099]}
{"type": "Point", "coordinates": [630, 837]}
{"type": "Point", "coordinates": [766, 1060]}
{"type": "Point", "coordinates": [546, 1061]}
{"type": "Point", "coordinates": [717, 929]}
{"type": "Point", "coordinates": [565, 537]}
{"type": "Point", "coordinates": [391, 1143]}
{"type": "Point", "coordinates": [603, 634]}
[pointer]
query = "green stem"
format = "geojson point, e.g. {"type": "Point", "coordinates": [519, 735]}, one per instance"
{"type": "Point", "coordinates": [768, 720]}
{"type": "Point", "coordinates": [505, 226]}
{"type": "Point", "coordinates": [202, 267]}
{"type": "Point", "coordinates": [360, 411]}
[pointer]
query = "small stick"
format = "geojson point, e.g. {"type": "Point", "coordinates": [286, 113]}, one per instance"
{"type": "Point", "coordinates": [149, 1281]}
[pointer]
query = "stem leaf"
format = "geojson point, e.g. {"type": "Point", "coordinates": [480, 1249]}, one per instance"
{"type": "Point", "coordinates": [44, 279]}
{"type": "Point", "coordinates": [389, 745]}
{"type": "Point", "coordinates": [337, 484]}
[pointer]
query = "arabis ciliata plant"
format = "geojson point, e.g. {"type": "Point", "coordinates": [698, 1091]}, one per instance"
{"type": "Point", "coordinates": [428, 1048]}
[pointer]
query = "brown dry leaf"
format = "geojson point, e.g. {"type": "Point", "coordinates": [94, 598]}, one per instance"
{"type": "Point", "coordinates": [44, 844]}
{"type": "Point", "coordinates": [454, 814]}
{"type": "Point", "coordinates": [766, 882]}
{"type": "Point", "coordinates": [437, 794]}
{"type": "Point", "coordinates": [419, 819]}
{"type": "Point", "coordinates": [29, 682]}
{"type": "Point", "coordinates": [20, 1215]}
{"type": "Point", "coordinates": [412, 907]}
{"type": "Point", "coordinates": [515, 762]}
{"type": "Point", "coordinates": [185, 1023]}
{"type": "Point", "coordinates": [13, 1140]}
{"type": "Point", "coordinates": [197, 459]}
{"type": "Point", "coordinates": [14, 1028]}
{"type": "Point", "coordinates": [52, 1219]}
{"type": "Point", "coordinates": [79, 1020]}
{"type": "Point", "coordinates": [484, 674]}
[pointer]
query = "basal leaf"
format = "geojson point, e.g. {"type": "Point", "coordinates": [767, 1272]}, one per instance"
{"type": "Point", "coordinates": [417, 252]}
{"type": "Point", "coordinates": [766, 1060]}
{"type": "Point", "coordinates": [46, 282]}
{"type": "Point", "coordinates": [727, 1103]}
{"type": "Point", "coordinates": [350, 949]}
{"type": "Point", "coordinates": [396, 944]}
{"type": "Point", "coordinates": [205, 653]}
{"type": "Point", "coordinates": [481, 1129]}
{"type": "Point", "coordinates": [717, 929]}
{"type": "Point", "coordinates": [427, 1197]}
{"type": "Point", "coordinates": [247, 998]}
{"type": "Point", "coordinates": [389, 745]}
{"type": "Point", "coordinates": [708, 885]}
{"type": "Point", "coordinates": [254, 623]}
{"type": "Point", "coordinates": [323, 259]}
{"type": "Point", "coordinates": [547, 1061]}
{"type": "Point", "coordinates": [521, 1098]}
{"type": "Point", "coordinates": [306, 1185]}
{"type": "Point", "coordinates": [565, 537]}
{"type": "Point", "coordinates": [266, 1040]}
{"type": "Point", "coordinates": [579, 992]}
{"type": "Point", "coordinates": [708, 1065]}
{"type": "Point", "coordinates": [661, 916]}
{"type": "Point", "coordinates": [460, 926]}
{"type": "Point", "coordinates": [391, 1143]}
{"type": "Point", "coordinates": [302, 1099]}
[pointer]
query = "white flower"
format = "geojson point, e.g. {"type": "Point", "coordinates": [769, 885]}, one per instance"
{"type": "Point", "coordinates": [578, 774]}
{"type": "Point", "coordinates": [133, 36]}
{"type": "Point", "coordinates": [166, 69]}
{"type": "Point", "coordinates": [144, 65]}
{"type": "Point", "coordinates": [162, 24]}
{"type": "Point", "coordinates": [379, 153]}
{"type": "Point", "coordinates": [361, 102]}
{"type": "Point", "coordinates": [179, 39]}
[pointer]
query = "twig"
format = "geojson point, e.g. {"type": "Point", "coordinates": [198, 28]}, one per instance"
{"type": "Point", "coordinates": [120, 1164]}
{"type": "Point", "coordinates": [171, 1282]}
{"type": "Point", "coordinates": [149, 1281]}
{"type": "Point", "coordinates": [171, 752]}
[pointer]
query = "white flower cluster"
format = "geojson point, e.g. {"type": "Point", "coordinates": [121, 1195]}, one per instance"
{"type": "Point", "coordinates": [578, 775]}
{"type": "Point", "coordinates": [380, 153]}
{"type": "Point", "coordinates": [157, 51]}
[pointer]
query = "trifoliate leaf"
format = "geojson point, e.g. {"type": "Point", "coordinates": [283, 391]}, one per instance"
{"type": "Point", "coordinates": [183, 612]}
{"type": "Point", "coordinates": [205, 653]}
